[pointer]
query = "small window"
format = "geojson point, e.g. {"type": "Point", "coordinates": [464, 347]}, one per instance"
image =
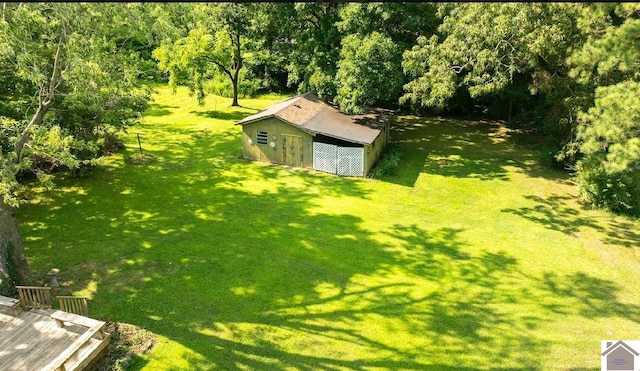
{"type": "Point", "coordinates": [262, 138]}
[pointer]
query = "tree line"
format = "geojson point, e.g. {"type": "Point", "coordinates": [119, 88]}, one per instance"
{"type": "Point", "coordinates": [75, 75]}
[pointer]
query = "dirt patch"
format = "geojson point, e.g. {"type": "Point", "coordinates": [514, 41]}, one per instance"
{"type": "Point", "coordinates": [127, 341]}
{"type": "Point", "coordinates": [141, 159]}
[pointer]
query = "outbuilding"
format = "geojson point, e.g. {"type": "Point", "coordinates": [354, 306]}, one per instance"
{"type": "Point", "coordinates": [304, 131]}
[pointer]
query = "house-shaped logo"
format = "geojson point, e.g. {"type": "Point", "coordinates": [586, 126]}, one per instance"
{"type": "Point", "coordinates": [619, 355]}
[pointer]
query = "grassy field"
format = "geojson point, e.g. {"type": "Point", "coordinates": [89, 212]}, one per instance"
{"type": "Point", "coordinates": [471, 257]}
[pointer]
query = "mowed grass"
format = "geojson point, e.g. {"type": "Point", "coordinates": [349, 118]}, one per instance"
{"type": "Point", "coordinates": [472, 257]}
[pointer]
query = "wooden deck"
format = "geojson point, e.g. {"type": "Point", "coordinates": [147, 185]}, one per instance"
{"type": "Point", "coordinates": [33, 340]}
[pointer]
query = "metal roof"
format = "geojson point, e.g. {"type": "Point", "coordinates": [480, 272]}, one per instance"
{"type": "Point", "coordinates": [311, 114]}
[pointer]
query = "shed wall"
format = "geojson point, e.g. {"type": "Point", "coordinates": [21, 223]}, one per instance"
{"type": "Point", "coordinates": [276, 131]}
{"type": "Point", "coordinates": [373, 151]}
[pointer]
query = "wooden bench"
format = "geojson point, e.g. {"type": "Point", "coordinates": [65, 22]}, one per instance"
{"type": "Point", "coordinates": [95, 328]}
{"type": "Point", "coordinates": [13, 304]}
{"type": "Point", "coordinates": [58, 364]}
{"type": "Point", "coordinates": [62, 317]}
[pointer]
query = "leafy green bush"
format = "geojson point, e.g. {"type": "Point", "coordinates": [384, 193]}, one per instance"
{"type": "Point", "coordinates": [248, 86]}
{"type": "Point", "coordinates": [219, 85]}
{"type": "Point", "coordinates": [388, 163]}
{"type": "Point", "coordinates": [618, 192]}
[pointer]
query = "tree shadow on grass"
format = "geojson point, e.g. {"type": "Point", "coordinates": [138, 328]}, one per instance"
{"type": "Point", "coordinates": [223, 115]}
{"type": "Point", "coordinates": [250, 274]}
{"type": "Point", "coordinates": [477, 149]}
{"type": "Point", "coordinates": [240, 264]}
{"type": "Point", "coordinates": [559, 213]}
{"type": "Point", "coordinates": [331, 307]}
{"type": "Point", "coordinates": [159, 110]}
{"type": "Point", "coordinates": [591, 297]}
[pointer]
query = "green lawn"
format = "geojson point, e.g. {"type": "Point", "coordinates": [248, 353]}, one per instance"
{"type": "Point", "coordinates": [471, 257]}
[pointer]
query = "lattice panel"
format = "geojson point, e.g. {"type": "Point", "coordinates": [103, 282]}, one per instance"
{"type": "Point", "coordinates": [325, 157]}
{"type": "Point", "coordinates": [350, 161]}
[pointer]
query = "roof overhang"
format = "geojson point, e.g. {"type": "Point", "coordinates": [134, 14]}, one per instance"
{"type": "Point", "coordinates": [308, 113]}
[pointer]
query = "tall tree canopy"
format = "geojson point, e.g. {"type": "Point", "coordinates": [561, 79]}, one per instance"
{"type": "Point", "coordinates": [608, 135]}
{"type": "Point", "coordinates": [215, 43]}
{"type": "Point", "coordinates": [368, 72]}
{"type": "Point", "coordinates": [401, 22]}
{"type": "Point", "coordinates": [483, 47]}
{"type": "Point", "coordinates": [272, 43]}
{"type": "Point", "coordinates": [313, 62]}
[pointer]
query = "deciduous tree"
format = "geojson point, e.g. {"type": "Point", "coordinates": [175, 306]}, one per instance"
{"type": "Point", "coordinates": [313, 62]}
{"type": "Point", "coordinates": [214, 44]}
{"type": "Point", "coordinates": [368, 72]}
{"type": "Point", "coordinates": [63, 58]}
{"type": "Point", "coordinates": [482, 47]}
{"type": "Point", "coordinates": [375, 35]}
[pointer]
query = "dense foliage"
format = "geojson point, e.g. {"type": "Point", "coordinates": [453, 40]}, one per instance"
{"type": "Point", "coordinates": [608, 129]}
{"type": "Point", "coordinates": [538, 66]}
{"type": "Point", "coordinates": [551, 68]}
{"type": "Point", "coordinates": [388, 163]}
{"type": "Point", "coordinates": [68, 87]}
{"type": "Point", "coordinates": [76, 86]}
{"type": "Point", "coordinates": [73, 73]}
{"type": "Point", "coordinates": [366, 72]}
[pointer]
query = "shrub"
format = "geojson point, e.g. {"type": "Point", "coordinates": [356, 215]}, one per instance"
{"type": "Point", "coordinates": [388, 163]}
{"type": "Point", "coordinates": [617, 192]}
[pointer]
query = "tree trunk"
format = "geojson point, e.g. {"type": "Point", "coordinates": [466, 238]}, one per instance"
{"type": "Point", "coordinates": [234, 82]}
{"type": "Point", "coordinates": [237, 65]}
{"type": "Point", "coordinates": [14, 269]}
